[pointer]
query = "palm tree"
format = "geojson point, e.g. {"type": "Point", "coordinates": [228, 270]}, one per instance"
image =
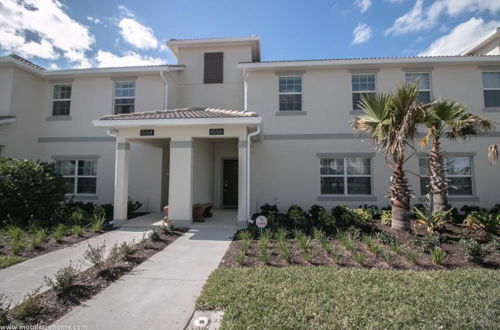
{"type": "Point", "coordinates": [390, 120]}
{"type": "Point", "coordinates": [445, 118]}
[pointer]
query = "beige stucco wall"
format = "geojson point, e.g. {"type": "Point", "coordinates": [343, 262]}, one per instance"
{"type": "Point", "coordinates": [203, 175]}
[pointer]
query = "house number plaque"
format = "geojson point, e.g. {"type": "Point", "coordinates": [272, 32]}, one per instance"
{"type": "Point", "coordinates": [216, 131]}
{"type": "Point", "coordinates": [147, 132]}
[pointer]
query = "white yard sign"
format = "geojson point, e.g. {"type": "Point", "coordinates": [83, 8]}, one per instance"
{"type": "Point", "coordinates": [261, 221]}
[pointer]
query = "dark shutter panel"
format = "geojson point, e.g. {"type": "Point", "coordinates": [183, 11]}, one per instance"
{"type": "Point", "coordinates": [213, 70]}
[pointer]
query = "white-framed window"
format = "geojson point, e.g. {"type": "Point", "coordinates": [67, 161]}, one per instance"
{"type": "Point", "coordinates": [124, 100]}
{"type": "Point", "coordinates": [80, 175]}
{"type": "Point", "coordinates": [61, 99]}
{"type": "Point", "coordinates": [491, 89]}
{"type": "Point", "coordinates": [362, 84]}
{"type": "Point", "coordinates": [423, 80]}
{"type": "Point", "coordinates": [290, 93]}
{"type": "Point", "coordinates": [346, 176]}
{"type": "Point", "coordinates": [458, 172]}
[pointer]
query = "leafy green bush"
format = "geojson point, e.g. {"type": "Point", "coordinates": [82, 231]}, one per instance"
{"type": "Point", "coordinates": [267, 209]}
{"type": "Point", "coordinates": [297, 217]}
{"type": "Point", "coordinates": [438, 255]}
{"type": "Point", "coordinates": [494, 244]}
{"type": "Point", "coordinates": [326, 220]}
{"type": "Point", "coordinates": [428, 242]}
{"type": "Point", "coordinates": [482, 220]}
{"type": "Point", "coordinates": [77, 216]}
{"type": "Point", "coordinates": [63, 280]}
{"type": "Point", "coordinates": [315, 211]}
{"type": "Point", "coordinates": [133, 206]}
{"type": "Point", "coordinates": [29, 190]}
{"type": "Point", "coordinates": [356, 217]}
{"type": "Point", "coordinates": [15, 238]}
{"type": "Point", "coordinates": [386, 217]}
{"type": "Point", "coordinates": [77, 230]}
{"type": "Point", "coordinates": [472, 250]}
{"type": "Point", "coordinates": [434, 220]}
{"type": "Point", "coordinates": [339, 210]}
{"type": "Point", "coordinates": [37, 238]}
{"type": "Point", "coordinates": [468, 209]}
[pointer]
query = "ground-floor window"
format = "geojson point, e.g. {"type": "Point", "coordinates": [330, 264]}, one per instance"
{"type": "Point", "coordinates": [80, 175]}
{"type": "Point", "coordinates": [346, 176]}
{"type": "Point", "coordinates": [458, 172]}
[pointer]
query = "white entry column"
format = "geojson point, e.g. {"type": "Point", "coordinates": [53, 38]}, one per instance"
{"type": "Point", "coordinates": [121, 182]}
{"type": "Point", "coordinates": [180, 199]}
{"type": "Point", "coordinates": [242, 182]}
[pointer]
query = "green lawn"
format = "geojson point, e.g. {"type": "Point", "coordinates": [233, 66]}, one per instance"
{"type": "Point", "coordinates": [325, 297]}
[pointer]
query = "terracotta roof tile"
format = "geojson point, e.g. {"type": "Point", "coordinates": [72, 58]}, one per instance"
{"type": "Point", "coordinates": [185, 113]}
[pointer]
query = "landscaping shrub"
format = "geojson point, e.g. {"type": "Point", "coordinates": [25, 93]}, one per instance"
{"type": "Point", "coordinates": [127, 249]}
{"type": "Point", "coordinates": [494, 244]}
{"type": "Point", "coordinates": [77, 216]}
{"type": "Point", "coordinates": [154, 235]}
{"type": "Point", "coordinates": [355, 217]}
{"type": "Point", "coordinates": [29, 190]}
{"type": "Point", "coordinates": [438, 255]}
{"type": "Point", "coordinates": [297, 217]}
{"type": "Point", "coordinates": [98, 220]}
{"type": "Point", "coordinates": [64, 279]}
{"type": "Point", "coordinates": [411, 256]}
{"type": "Point", "coordinates": [4, 310]}
{"type": "Point", "coordinates": [386, 217]}
{"type": "Point", "coordinates": [114, 256]}
{"type": "Point", "coordinates": [240, 257]}
{"type": "Point", "coordinates": [373, 209]}
{"type": "Point", "coordinates": [59, 232]}
{"type": "Point", "coordinates": [6, 261]}
{"type": "Point", "coordinates": [495, 209]}
{"type": "Point", "coordinates": [268, 209]}
{"type": "Point", "coordinates": [434, 220]}
{"type": "Point", "coordinates": [133, 206]}
{"type": "Point", "coordinates": [94, 255]}
{"type": "Point", "coordinates": [326, 221]}
{"type": "Point", "coordinates": [37, 238]}
{"type": "Point", "coordinates": [262, 247]}
{"type": "Point", "coordinates": [315, 211]}
{"type": "Point", "coordinates": [468, 209]}
{"type": "Point", "coordinates": [482, 220]}
{"type": "Point", "coordinates": [77, 230]}
{"type": "Point", "coordinates": [472, 250]}
{"type": "Point", "coordinates": [359, 257]}
{"type": "Point", "coordinates": [15, 238]}
{"type": "Point", "coordinates": [30, 306]}
{"type": "Point", "coordinates": [428, 242]}
{"type": "Point", "coordinates": [339, 210]}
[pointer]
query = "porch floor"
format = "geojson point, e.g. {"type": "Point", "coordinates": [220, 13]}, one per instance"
{"type": "Point", "coordinates": [221, 218]}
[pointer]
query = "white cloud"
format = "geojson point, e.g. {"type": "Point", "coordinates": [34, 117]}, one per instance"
{"type": "Point", "coordinates": [130, 58]}
{"type": "Point", "coordinates": [94, 20]}
{"type": "Point", "coordinates": [461, 38]}
{"type": "Point", "coordinates": [362, 33]}
{"type": "Point", "coordinates": [420, 18]}
{"type": "Point", "coordinates": [53, 33]}
{"type": "Point", "coordinates": [137, 35]}
{"type": "Point", "coordinates": [363, 4]}
{"type": "Point", "coordinates": [53, 66]}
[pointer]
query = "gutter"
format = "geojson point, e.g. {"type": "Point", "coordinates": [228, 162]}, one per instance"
{"type": "Point", "coordinates": [249, 142]}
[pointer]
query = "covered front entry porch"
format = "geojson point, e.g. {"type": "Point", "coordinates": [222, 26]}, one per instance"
{"type": "Point", "coordinates": [205, 160]}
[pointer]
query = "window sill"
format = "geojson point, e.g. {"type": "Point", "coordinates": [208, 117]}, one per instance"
{"type": "Point", "coordinates": [58, 118]}
{"type": "Point", "coordinates": [89, 197]}
{"type": "Point", "coordinates": [343, 198]}
{"type": "Point", "coordinates": [291, 113]}
{"type": "Point", "coordinates": [491, 109]}
{"type": "Point", "coordinates": [455, 199]}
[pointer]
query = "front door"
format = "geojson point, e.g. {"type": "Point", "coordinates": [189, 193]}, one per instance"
{"type": "Point", "coordinates": [230, 183]}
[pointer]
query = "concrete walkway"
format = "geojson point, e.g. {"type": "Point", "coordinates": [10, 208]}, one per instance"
{"type": "Point", "coordinates": [161, 292]}
{"type": "Point", "coordinates": [18, 280]}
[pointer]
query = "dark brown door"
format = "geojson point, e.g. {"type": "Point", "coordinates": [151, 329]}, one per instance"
{"type": "Point", "coordinates": [230, 183]}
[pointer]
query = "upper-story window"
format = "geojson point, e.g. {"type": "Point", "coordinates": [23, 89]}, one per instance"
{"type": "Point", "coordinates": [213, 68]}
{"type": "Point", "coordinates": [423, 80]}
{"type": "Point", "coordinates": [124, 97]}
{"type": "Point", "coordinates": [290, 93]}
{"type": "Point", "coordinates": [491, 89]}
{"type": "Point", "coordinates": [61, 100]}
{"type": "Point", "coordinates": [458, 172]}
{"type": "Point", "coordinates": [346, 176]}
{"type": "Point", "coordinates": [362, 84]}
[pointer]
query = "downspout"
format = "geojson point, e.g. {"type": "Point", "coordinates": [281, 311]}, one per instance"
{"type": "Point", "coordinates": [249, 142]}
{"type": "Point", "coordinates": [113, 133]}
{"type": "Point", "coordinates": [165, 99]}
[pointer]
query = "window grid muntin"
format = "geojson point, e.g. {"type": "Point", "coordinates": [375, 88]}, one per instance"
{"type": "Point", "coordinates": [346, 176]}
{"type": "Point", "coordinates": [369, 81]}
{"type": "Point", "coordinates": [424, 175]}
{"type": "Point", "coordinates": [61, 95]}
{"type": "Point", "coordinates": [290, 86]}
{"type": "Point", "coordinates": [74, 173]}
{"type": "Point", "coordinates": [124, 93]}
{"type": "Point", "coordinates": [421, 90]}
{"type": "Point", "coordinates": [495, 89]}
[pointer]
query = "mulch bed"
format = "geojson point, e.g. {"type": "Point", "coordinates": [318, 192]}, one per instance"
{"type": "Point", "coordinates": [90, 282]}
{"type": "Point", "coordinates": [450, 235]}
{"type": "Point", "coordinates": [51, 245]}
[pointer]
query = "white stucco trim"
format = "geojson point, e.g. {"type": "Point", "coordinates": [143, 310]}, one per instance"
{"type": "Point", "coordinates": [7, 121]}
{"type": "Point", "coordinates": [250, 121]}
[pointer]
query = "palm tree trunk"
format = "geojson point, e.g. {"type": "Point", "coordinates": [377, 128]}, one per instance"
{"type": "Point", "coordinates": [438, 185]}
{"type": "Point", "coordinates": [399, 193]}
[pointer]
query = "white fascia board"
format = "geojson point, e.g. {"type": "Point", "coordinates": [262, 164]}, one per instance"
{"type": "Point", "coordinates": [177, 122]}
{"type": "Point", "coordinates": [7, 121]}
{"type": "Point", "coordinates": [174, 45]}
{"type": "Point", "coordinates": [367, 62]}
{"type": "Point", "coordinates": [99, 71]}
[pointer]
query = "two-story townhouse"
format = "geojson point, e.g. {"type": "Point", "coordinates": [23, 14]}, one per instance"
{"type": "Point", "coordinates": [224, 127]}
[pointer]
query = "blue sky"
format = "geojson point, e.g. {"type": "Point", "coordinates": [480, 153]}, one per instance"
{"type": "Point", "coordinates": [75, 33]}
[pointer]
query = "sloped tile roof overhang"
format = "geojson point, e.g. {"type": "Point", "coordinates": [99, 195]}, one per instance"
{"type": "Point", "coordinates": [178, 117]}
